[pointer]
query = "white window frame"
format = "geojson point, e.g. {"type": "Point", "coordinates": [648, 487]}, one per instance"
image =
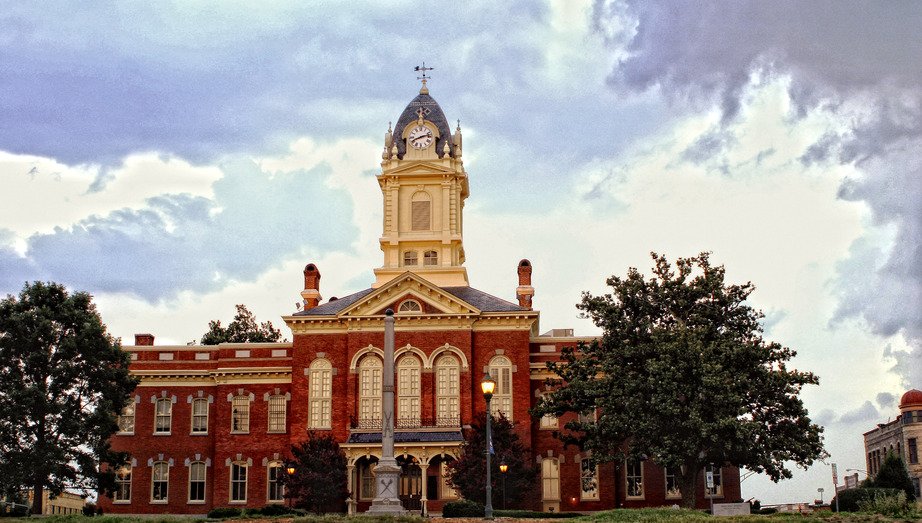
{"type": "Point", "coordinates": [718, 490]}
{"type": "Point", "coordinates": [240, 415]}
{"type": "Point", "coordinates": [238, 467]}
{"type": "Point", "coordinates": [367, 481]}
{"type": "Point", "coordinates": [550, 479]}
{"type": "Point", "coordinates": [634, 480]}
{"type": "Point", "coordinates": [588, 475]}
{"type": "Point", "coordinates": [320, 399]}
{"type": "Point", "coordinates": [448, 391]}
{"type": "Point", "coordinates": [675, 492]}
{"type": "Point", "coordinates": [277, 414]}
{"type": "Point", "coordinates": [274, 484]}
{"type": "Point", "coordinates": [122, 485]}
{"type": "Point", "coordinates": [371, 372]}
{"type": "Point", "coordinates": [163, 421]}
{"type": "Point", "coordinates": [199, 420]}
{"type": "Point", "coordinates": [163, 467]}
{"type": "Point", "coordinates": [409, 306]}
{"type": "Point", "coordinates": [410, 258]}
{"type": "Point", "coordinates": [501, 372]}
{"type": "Point", "coordinates": [431, 258]}
{"type": "Point", "coordinates": [409, 401]}
{"type": "Point", "coordinates": [548, 421]}
{"type": "Point", "coordinates": [197, 465]}
{"type": "Point", "coordinates": [126, 418]}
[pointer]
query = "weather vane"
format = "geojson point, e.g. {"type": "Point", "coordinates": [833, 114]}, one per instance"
{"type": "Point", "coordinates": [423, 68]}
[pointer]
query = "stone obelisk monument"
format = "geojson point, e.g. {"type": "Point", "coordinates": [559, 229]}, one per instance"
{"type": "Point", "coordinates": [387, 473]}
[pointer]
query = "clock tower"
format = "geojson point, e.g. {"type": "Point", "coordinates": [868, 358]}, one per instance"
{"type": "Point", "coordinates": [424, 186]}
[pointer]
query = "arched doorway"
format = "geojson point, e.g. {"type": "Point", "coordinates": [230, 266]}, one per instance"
{"type": "Point", "coordinates": [411, 483]}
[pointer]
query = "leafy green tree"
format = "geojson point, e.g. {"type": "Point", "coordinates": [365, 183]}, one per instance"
{"type": "Point", "coordinates": [893, 474]}
{"type": "Point", "coordinates": [62, 378]}
{"type": "Point", "coordinates": [242, 330]}
{"type": "Point", "coordinates": [468, 472]}
{"type": "Point", "coordinates": [319, 480]}
{"type": "Point", "coordinates": [683, 376]}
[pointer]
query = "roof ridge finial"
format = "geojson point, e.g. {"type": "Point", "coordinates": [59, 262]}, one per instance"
{"type": "Point", "coordinates": [423, 68]}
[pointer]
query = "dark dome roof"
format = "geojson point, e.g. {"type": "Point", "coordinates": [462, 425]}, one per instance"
{"type": "Point", "coordinates": [912, 398]}
{"type": "Point", "coordinates": [433, 113]}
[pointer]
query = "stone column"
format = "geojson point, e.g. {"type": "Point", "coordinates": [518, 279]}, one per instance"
{"type": "Point", "coordinates": [424, 494]}
{"type": "Point", "coordinates": [350, 476]}
{"type": "Point", "coordinates": [387, 473]}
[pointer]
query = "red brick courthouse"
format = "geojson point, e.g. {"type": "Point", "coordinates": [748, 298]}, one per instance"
{"type": "Point", "coordinates": [209, 425]}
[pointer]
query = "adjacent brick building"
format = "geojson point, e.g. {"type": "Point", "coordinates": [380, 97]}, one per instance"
{"type": "Point", "coordinates": [210, 425]}
{"type": "Point", "coordinates": [901, 436]}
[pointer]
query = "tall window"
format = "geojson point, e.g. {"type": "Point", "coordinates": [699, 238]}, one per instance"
{"type": "Point", "coordinates": [588, 480]}
{"type": "Point", "coordinates": [276, 489]}
{"type": "Point", "coordinates": [238, 491]}
{"type": "Point", "coordinates": [913, 450]}
{"type": "Point", "coordinates": [200, 416]}
{"type": "Point", "coordinates": [550, 479]}
{"type": "Point", "coordinates": [163, 414]}
{"type": "Point", "coordinates": [548, 421]}
{"type": "Point", "coordinates": [370, 372]}
{"type": "Point", "coordinates": [240, 414]}
{"type": "Point", "coordinates": [321, 394]}
{"type": "Point", "coordinates": [718, 489]}
{"type": "Point", "coordinates": [420, 208]}
{"type": "Point", "coordinates": [197, 481]}
{"type": "Point", "coordinates": [672, 483]}
{"type": "Point", "coordinates": [408, 403]}
{"type": "Point", "coordinates": [634, 473]}
{"type": "Point", "coordinates": [367, 481]}
{"type": "Point", "coordinates": [123, 484]}
{"type": "Point", "coordinates": [410, 258]}
{"type": "Point", "coordinates": [448, 391]}
{"type": "Point", "coordinates": [501, 371]}
{"type": "Point", "coordinates": [446, 491]}
{"type": "Point", "coordinates": [277, 408]}
{"type": "Point", "coordinates": [126, 418]}
{"type": "Point", "coordinates": [430, 258]}
{"type": "Point", "coordinates": [160, 481]}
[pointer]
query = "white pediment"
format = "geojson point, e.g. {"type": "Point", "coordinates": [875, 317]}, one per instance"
{"type": "Point", "coordinates": [415, 286]}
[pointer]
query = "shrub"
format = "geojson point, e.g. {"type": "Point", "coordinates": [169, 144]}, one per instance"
{"type": "Point", "coordinates": [462, 509]}
{"type": "Point", "coordinates": [224, 512]}
{"type": "Point", "coordinates": [897, 506]}
{"type": "Point", "coordinates": [531, 514]}
{"type": "Point", "coordinates": [273, 510]}
{"type": "Point", "coordinates": [848, 500]}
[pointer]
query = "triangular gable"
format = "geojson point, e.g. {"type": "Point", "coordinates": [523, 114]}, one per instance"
{"type": "Point", "coordinates": [413, 285]}
{"type": "Point", "coordinates": [429, 168]}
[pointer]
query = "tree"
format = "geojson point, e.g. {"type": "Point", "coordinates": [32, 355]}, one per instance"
{"type": "Point", "coordinates": [62, 379]}
{"type": "Point", "coordinates": [893, 474]}
{"type": "Point", "coordinates": [319, 480]}
{"type": "Point", "coordinates": [468, 472]}
{"type": "Point", "coordinates": [682, 375]}
{"type": "Point", "coordinates": [242, 330]}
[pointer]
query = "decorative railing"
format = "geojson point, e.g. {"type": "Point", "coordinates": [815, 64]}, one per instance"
{"type": "Point", "coordinates": [405, 423]}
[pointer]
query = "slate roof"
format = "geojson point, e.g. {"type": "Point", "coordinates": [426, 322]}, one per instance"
{"type": "Point", "coordinates": [483, 301]}
{"type": "Point", "coordinates": [408, 437]}
{"type": "Point", "coordinates": [433, 113]}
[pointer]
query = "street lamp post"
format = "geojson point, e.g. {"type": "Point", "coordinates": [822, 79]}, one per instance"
{"type": "Point", "coordinates": [503, 468]}
{"type": "Point", "coordinates": [291, 472]}
{"type": "Point", "coordinates": [487, 385]}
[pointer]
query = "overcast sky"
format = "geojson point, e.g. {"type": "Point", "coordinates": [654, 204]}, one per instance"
{"type": "Point", "coordinates": [176, 158]}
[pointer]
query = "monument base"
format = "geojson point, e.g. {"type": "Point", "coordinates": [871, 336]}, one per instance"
{"type": "Point", "coordinates": [387, 501]}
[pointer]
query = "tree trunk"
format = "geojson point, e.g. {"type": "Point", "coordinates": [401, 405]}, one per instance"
{"type": "Point", "coordinates": [688, 484]}
{"type": "Point", "coordinates": [37, 498]}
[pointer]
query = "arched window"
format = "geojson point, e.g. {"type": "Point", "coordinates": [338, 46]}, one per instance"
{"type": "Point", "coordinates": [410, 306]}
{"type": "Point", "coordinates": [321, 394]}
{"type": "Point", "coordinates": [160, 481]}
{"type": "Point", "coordinates": [550, 479]}
{"type": "Point", "coordinates": [197, 481]}
{"type": "Point", "coordinates": [408, 402]}
{"type": "Point", "coordinates": [410, 258]}
{"type": "Point", "coordinates": [278, 407]}
{"type": "Point", "coordinates": [240, 414]}
{"type": "Point", "coordinates": [276, 490]}
{"type": "Point", "coordinates": [370, 374]}
{"type": "Point", "coordinates": [238, 493]}
{"type": "Point", "coordinates": [430, 258]}
{"type": "Point", "coordinates": [501, 371]}
{"type": "Point", "coordinates": [200, 416]}
{"type": "Point", "coordinates": [163, 415]}
{"type": "Point", "coordinates": [123, 484]}
{"type": "Point", "coordinates": [421, 211]}
{"type": "Point", "coordinates": [126, 418]}
{"type": "Point", "coordinates": [448, 391]}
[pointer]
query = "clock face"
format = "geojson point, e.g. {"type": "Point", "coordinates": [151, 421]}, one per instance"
{"type": "Point", "coordinates": [421, 137]}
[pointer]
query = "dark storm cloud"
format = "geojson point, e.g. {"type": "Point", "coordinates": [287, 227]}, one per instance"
{"type": "Point", "coordinates": [837, 56]}
{"type": "Point", "coordinates": [185, 243]}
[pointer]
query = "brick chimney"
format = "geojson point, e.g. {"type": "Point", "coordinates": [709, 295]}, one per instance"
{"type": "Point", "coordinates": [311, 292]}
{"type": "Point", "coordinates": [144, 339]}
{"type": "Point", "coordinates": [525, 291]}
